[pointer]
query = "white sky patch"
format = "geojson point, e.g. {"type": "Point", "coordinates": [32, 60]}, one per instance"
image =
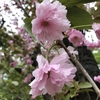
{"type": "Point", "coordinates": [91, 36]}
{"type": "Point", "coordinates": [10, 17]}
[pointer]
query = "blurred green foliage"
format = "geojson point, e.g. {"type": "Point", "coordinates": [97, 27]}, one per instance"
{"type": "Point", "coordinates": [96, 54]}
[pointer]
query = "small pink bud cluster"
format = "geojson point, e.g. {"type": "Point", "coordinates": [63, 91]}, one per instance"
{"type": "Point", "coordinates": [28, 42]}
{"type": "Point", "coordinates": [11, 42]}
{"type": "Point", "coordinates": [75, 37]}
{"type": "Point", "coordinates": [28, 78]}
{"type": "Point", "coordinates": [28, 60]}
{"type": "Point", "coordinates": [14, 63]}
{"type": "Point", "coordinates": [97, 78]}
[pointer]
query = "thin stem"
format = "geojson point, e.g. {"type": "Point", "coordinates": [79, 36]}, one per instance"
{"type": "Point", "coordinates": [57, 96]}
{"type": "Point", "coordinates": [97, 98]}
{"type": "Point", "coordinates": [89, 98]}
{"type": "Point", "coordinates": [81, 26]}
{"type": "Point", "coordinates": [50, 50]}
{"type": "Point", "coordinates": [78, 65]}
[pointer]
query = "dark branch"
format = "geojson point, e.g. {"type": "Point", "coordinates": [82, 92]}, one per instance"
{"type": "Point", "coordinates": [2, 22]}
{"type": "Point", "coordinates": [18, 4]}
{"type": "Point", "coordinates": [78, 65]}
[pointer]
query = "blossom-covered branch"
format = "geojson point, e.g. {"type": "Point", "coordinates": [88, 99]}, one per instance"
{"type": "Point", "coordinates": [78, 65]}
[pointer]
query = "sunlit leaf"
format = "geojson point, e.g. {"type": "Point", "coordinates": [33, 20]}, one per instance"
{"type": "Point", "coordinates": [15, 83]}
{"type": "Point", "coordinates": [84, 85]}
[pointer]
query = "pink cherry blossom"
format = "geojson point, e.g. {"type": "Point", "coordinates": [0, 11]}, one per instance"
{"type": "Point", "coordinates": [72, 50]}
{"type": "Point", "coordinates": [75, 37]}
{"type": "Point", "coordinates": [5, 5]}
{"type": "Point", "coordinates": [28, 78]}
{"type": "Point", "coordinates": [50, 21]}
{"type": "Point", "coordinates": [91, 45]}
{"type": "Point", "coordinates": [11, 42]}
{"type": "Point", "coordinates": [27, 56]}
{"type": "Point", "coordinates": [98, 43]}
{"type": "Point", "coordinates": [14, 63]}
{"type": "Point", "coordinates": [15, 21]}
{"type": "Point", "coordinates": [51, 77]}
{"type": "Point", "coordinates": [96, 28]}
{"type": "Point", "coordinates": [97, 78]}
{"type": "Point", "coordinates": [21, 30]}
{"type": "Point", "coordinates": [29, 61]}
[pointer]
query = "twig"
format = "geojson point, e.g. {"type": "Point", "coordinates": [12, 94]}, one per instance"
{"type": "Point", "coordinates": [97, 98]}
{"type": "Point", "coordinates": [18, 3]}
{"type": "Point", "coordinates": [2, 22]}
{"type": "Point", "coordinates": [89, 98]}
{"type": "Point", "coordinates": [78, 65]}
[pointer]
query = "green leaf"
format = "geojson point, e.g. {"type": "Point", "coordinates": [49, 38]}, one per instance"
{"type": "Point", "coordinates": [97, 20]}
{"type": "Point", "coordinates": [85, 90]}
{"type": "Point", "coordinates": [28, 26]}
{"type": "Point", "coordinates": [84, 85]}
{"type": "Point", "coordinates": [15, 83]}
{"type": "Point", "coordinates": [97, 56]}
{"type": "Point", "coordinates": [96, 15]}
{"type": "Point", "coordinates": [79, 18]}
{"type": "Point", "coordinates": [67, 97]}
{"type": "Point", "coordinates": [69, 3]}
{"type": "Point", "coordinates": [39, 98]}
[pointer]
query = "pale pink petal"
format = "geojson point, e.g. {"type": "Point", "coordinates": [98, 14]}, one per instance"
{"type": "Point", "coordinates": [42, 83]}
{"type": "Point", "coordinates": [52, 88]}
{"type": "Point", "coordinates": [60, 58]}
{"type": "Point", "coordinates": [96, 28]}
{"type": "Point", "coordinates": [41, 61]}
{"type": "Point", "coordinates": [71, 49]}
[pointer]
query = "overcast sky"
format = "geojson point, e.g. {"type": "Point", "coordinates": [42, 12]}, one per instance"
{"type": "Point", "coordinates": [10, 16]}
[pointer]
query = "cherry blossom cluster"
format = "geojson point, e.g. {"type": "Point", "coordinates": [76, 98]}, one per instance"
{"type": "Point", "coordinates": [50, 77]}
{"type": "Point", "coordinates": [49, 25]}
{"type": "Point", "coordinates": [77, 38]}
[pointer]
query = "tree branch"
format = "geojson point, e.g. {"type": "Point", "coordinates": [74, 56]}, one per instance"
{"type": "Point", "coordinates": [2, 22]}
{"type": "Point", "coordinates": [18, 3]}
{"type": "Point", "coordinates": [78, 65]}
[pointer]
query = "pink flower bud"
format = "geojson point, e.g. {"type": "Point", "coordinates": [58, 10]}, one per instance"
{"type": "Point", "coordinates": [11, 42]}
{"type": "Point", "coordinates": [75, 37]}
{"type": "Point", "coordinates": [13, 64]}
{"type": "Point", "coordinates": [96, 28]}
{"type": "Point", "coordinates": [28, 78]}
{"type": "Point", "coordinates": [97, 78]}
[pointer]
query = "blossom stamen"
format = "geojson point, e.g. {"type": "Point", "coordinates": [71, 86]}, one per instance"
{"type": "Point", "coordinates": [45, 23]}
